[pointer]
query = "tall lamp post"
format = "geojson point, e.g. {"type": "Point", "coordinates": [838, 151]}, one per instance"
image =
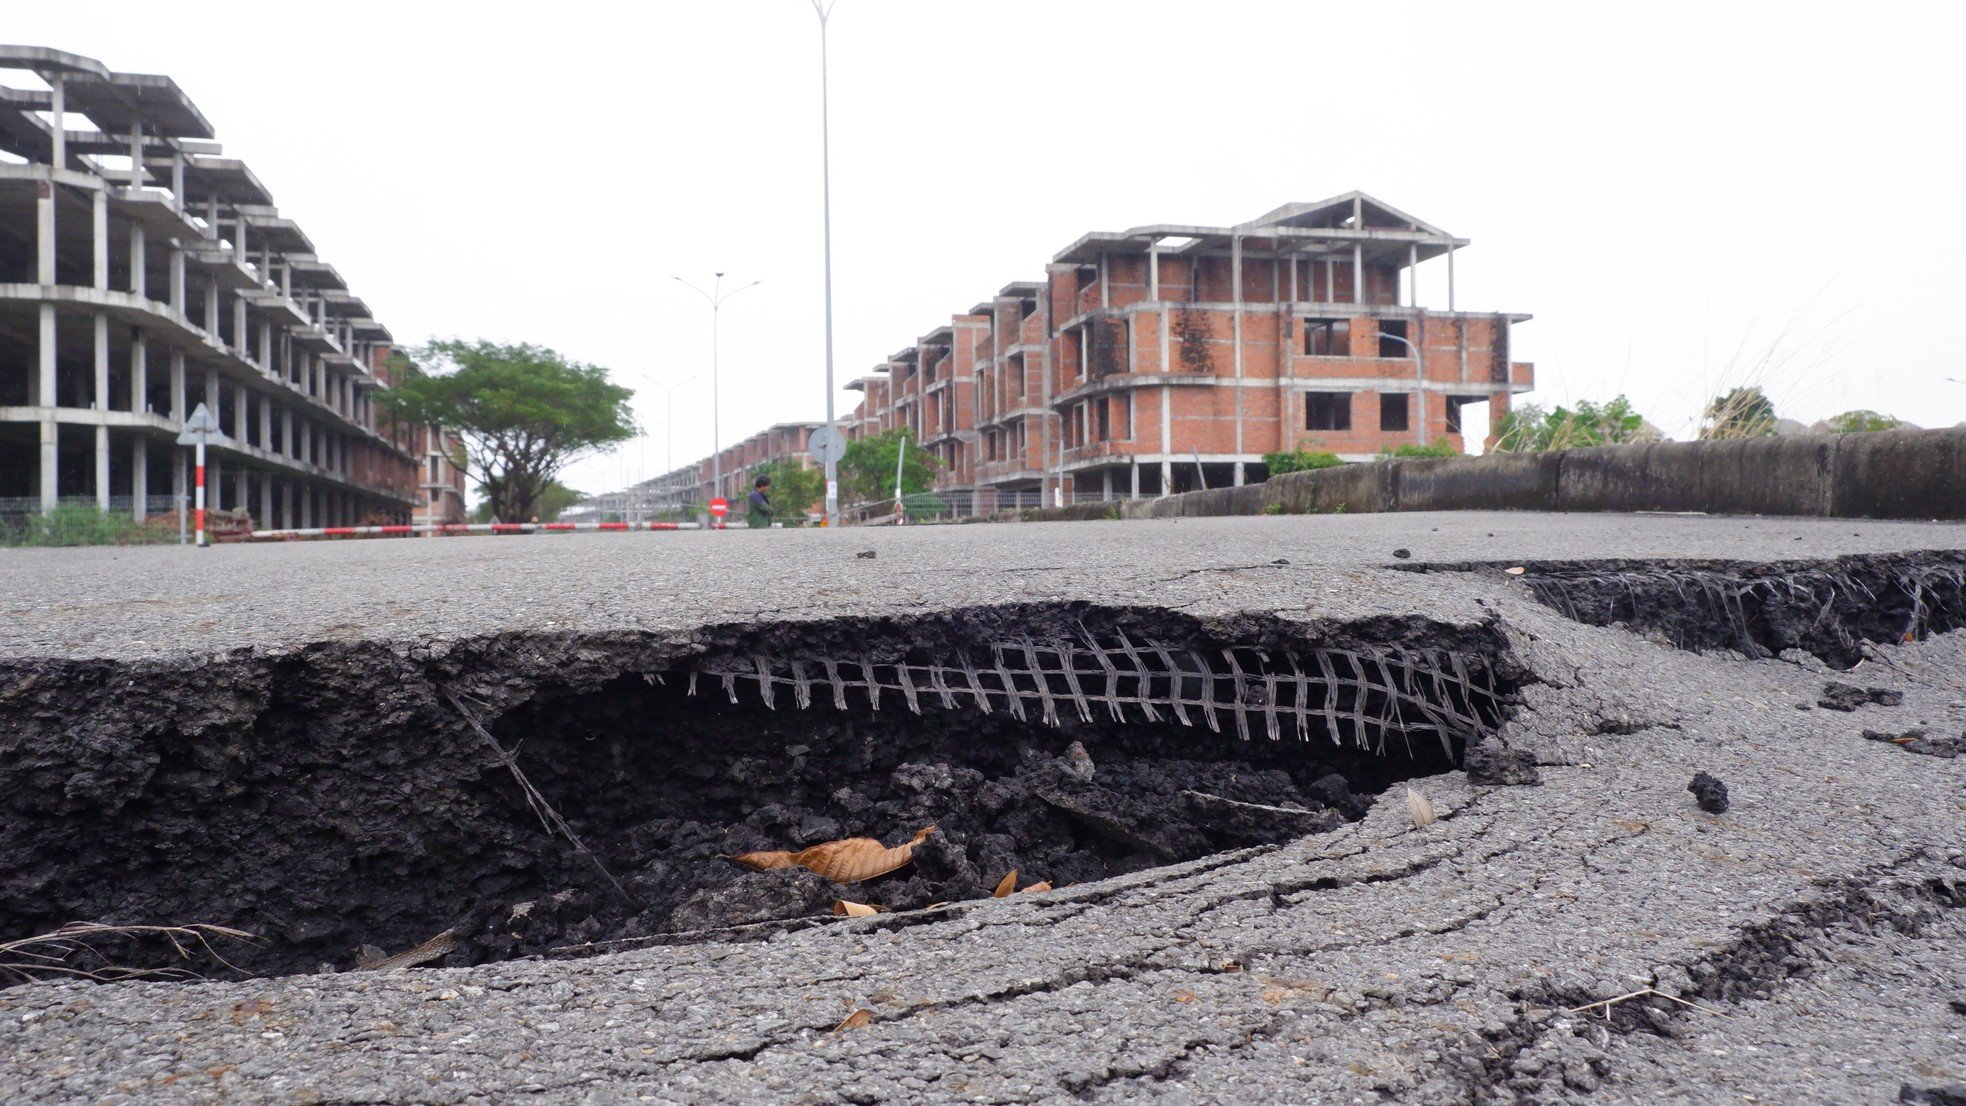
{"type": "Point", "coordinates": [1419, 386]}
{"type": "Point", "coordinates": [669, 419]}
{"type": "Point", "coordinates": [716, 297]}
{"type": "Point", "coordinates": [825, 10]}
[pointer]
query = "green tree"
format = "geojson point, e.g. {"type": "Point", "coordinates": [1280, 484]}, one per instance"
{"type": "Point", "coordinates": [1532, 428]}
{"type": "Point", "coordinates": [523, 411]}
{"type": "Point", "coordinates": [1742, 413]}
{"type": "Point", "coordinates": [794, 489]}
{"type": "Point", "coordinates": [1862, 422]}
{"type": "Point", "coordinates": [867, 469]}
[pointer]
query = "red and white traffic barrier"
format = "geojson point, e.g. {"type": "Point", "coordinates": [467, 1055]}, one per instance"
{"type": "Point", "coordinates": [462, 528]}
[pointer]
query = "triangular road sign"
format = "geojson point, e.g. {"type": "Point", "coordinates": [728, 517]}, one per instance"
{"type": "Point", "coordinates": [201, 425]}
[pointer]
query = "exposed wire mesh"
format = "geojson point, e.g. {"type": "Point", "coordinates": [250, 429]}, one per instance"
{"type": "Point", "coordinates": [1367, 697]}
{"type": "Point", "coordinates": [1832, 606]}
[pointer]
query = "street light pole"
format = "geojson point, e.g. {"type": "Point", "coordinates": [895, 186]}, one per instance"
{"type": "Point", "coordinates": [1419, 385]}
{"type": "Point", "coordinates": [824, 11]}
{"type": "Point", "coordinates": [669, 419]}
{"type": "Point", "coordinates": [716, 298]}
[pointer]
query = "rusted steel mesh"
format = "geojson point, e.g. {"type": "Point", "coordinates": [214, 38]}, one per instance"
{"type": "Point", "coordinates": [1366, 696]}
{"type": "Point", "coordinates": [1702, 608]}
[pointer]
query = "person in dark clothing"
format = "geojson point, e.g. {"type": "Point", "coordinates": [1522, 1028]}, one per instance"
{"type": "Point", "coordinates": [759, 514]}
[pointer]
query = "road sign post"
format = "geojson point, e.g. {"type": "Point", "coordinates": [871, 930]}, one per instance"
{"type": "Point", "coordinates": [197, 429]}
{"type": "Point", "coordinates": [719, 507]}
{"type": "Point", "coordinates": [827, 445]}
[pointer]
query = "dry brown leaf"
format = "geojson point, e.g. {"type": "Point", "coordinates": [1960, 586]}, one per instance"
{"type": "Point", "coordinates": [766, 860]}
{"type": "Point", "coordinates": [1041, 885]}
{"type": "Point", "coordinates": [1006, 885]}
{"type": "Point", "coordinates": [857, 858]}
{"type": "Point", "coordinates": [1421, 807]}
{"type": "Point", "coordinates": [853, 909]}
{"type": "Point", "coordinates": [855, 1020]}
{"type": "Point", "coordinates": [1184, 996]}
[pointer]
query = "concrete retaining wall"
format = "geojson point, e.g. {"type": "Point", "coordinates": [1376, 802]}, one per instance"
{"type": "Point", "coordinates": [1888, 474]}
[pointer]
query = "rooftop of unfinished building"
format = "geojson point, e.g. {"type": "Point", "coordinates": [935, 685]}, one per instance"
{"type": "Point", "coordinates": [176, 601]}
{"type": "Point", "coordinates": [1347, 218]}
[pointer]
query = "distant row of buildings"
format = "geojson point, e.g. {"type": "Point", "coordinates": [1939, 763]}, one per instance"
{"type": "Point", "coordinates": [1162, 358]}
{"type": "Point", "coordinates": [142, 273]}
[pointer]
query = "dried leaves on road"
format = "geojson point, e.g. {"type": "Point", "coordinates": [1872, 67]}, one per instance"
{"type": "Point", "coordinates": [849, 860]}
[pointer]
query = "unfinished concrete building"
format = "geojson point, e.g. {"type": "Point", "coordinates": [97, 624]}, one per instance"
{"type": "Point", "coordinates": [142, 273]}
{"type": "Point", "coordinates": [1173, 357]}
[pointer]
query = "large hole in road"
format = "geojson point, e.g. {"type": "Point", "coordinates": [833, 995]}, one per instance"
{"type": "Point", "coordinates": [525, 795]}
{"type": "Point", "coordinates": [1828, 608]}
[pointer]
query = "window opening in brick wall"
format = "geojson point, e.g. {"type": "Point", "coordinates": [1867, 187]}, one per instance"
{"type": "Point", "coordinates": [1392, 333]}
{"type": "Point", "coordinates": [1327, 337]}
{"type": "Point", "coordinates": [1327, 410]}
{"type": "Point", "coordinates": [1454, 405]}
{"type": "Point", "coordinates": [1392, 411]}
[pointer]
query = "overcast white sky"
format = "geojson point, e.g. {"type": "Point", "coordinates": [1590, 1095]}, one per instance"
{"type": "Point", "coordinates": [1686, 196]}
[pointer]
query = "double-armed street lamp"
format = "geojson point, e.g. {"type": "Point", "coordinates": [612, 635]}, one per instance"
{"type": "Point", "coordinates": [716, 297]}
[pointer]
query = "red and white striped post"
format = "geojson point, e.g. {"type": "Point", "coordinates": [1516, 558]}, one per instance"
{"type": "Point", "coordinates": [199, 427]}
{"type": "Point", "coordinates": [199, 510]}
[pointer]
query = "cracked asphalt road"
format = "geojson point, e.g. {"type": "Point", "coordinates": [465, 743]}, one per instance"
{"type": "Point", "coordinates": [1811, 934]}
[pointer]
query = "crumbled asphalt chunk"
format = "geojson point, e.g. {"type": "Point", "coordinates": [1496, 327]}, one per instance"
{"type": "Point", "coordinates": [865, 554]}
{"type": "Point", "coordinates": [1709, 792]}
{"type": "Point", "coordinates": [1848, 697]}
{"type": "Point", "coordinates": [1958, 1005]}
{"type": "Point", "coordinates": [1402, 554]}
{"type": "Point", "coordinates": [1952, 1094]}
{"type": "Point", "coordinates": [1492, 765]}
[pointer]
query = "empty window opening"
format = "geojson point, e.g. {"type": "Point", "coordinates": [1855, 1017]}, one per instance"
{"type": "Point", "coordinates": [1393, 338]}
{"type": "Point", "coordinates": [1393, 411]}
{"type": "Point", "coordinates": [1327, 410]}
{"type": "Point", "coordinates": [1327, 337]}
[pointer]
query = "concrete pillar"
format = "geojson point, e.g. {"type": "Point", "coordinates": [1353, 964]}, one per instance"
{"type": "Point", "coordinates": [1358, 274]}
{"type": "Point", "coordinates": [306, 507]}
{"type": "Point", "coordinates": [265, 423]}
{"type": "Point", "coordinates": [265, 361]}
{"type": "Point", "coordinates": [287, 504]}
{"type": "Point", "coordinates": [44, 230]}
{"type": "Point", "coordinates": [211, 311]}
{"type": "Point", "coordinates": [1134, 493]}
{"type": "Point", "coordinates": [179, 410]}
{"type": "Point", "coordinates": [265, 519]}
{"type": "Point", "coordinates": [139, 262]}
{"type": "Point", "coordinates": [139, 476]}
{"type": "Point", "coordinates": [239, 326]}
{"type": "Point", "coordinates": [139, 373]}
{"type": "Point", "coordinates": [99, 210]}
{"type": "Point", "coordinates": [177, 280]}
{"type": "Point", "coordinates": [214, 485]}
{"type": "Point", "coordinates": [1450, 278]}
{"type": "Point", "coordinates": [58, 122]}
{"type": "Point", "coordinates": [50, 464]}
{"type": "Point", "coordinates": [211, 391]}
{"type": "Point", "coordinates": [287, 445]}
{"type": "Point", "coordinates": [1106, 485]}
{"type": "Point", "coordinates": [100, 400]}
{"type": "Point", "coordinates": [239, 414]}
{"type": "Point", "coordinates": [180, 479]}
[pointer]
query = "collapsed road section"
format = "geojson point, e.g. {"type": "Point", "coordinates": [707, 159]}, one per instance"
{"type": "Point", "coordinates": [1256, 775]}
{"type": "Point", "coordinates": [527, 793]}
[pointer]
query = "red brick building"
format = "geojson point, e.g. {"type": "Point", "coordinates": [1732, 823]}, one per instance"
{"type": "Point", "coordinates": [1159, 359]}
{"type": "Point", "coordinates": [1155, 358]}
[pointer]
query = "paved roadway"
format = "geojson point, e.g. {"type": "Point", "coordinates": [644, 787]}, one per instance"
{"type": "Point", "coordinates": [1812, 924]}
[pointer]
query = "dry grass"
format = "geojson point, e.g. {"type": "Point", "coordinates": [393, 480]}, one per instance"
{"type": "Point", "coordinates": [76, 950]}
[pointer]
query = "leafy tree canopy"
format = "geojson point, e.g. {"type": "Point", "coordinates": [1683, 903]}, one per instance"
{"type": "Point", "coordinates": [1532, 428]}
{"type": "Point", "coordinates": [523, 411]}
{"type": "Point", "coordinates": [867, 469]}
{"type": "Point", "coordinates": [1862, 422]}
{"type": "Point", "coordinates": [794, 489]}
{"type": "Point", "coordinates": [1745, 412]}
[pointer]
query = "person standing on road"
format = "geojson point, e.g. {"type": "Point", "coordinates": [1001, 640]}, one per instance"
{"type": "Point", "coordinates": [759, 515]}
